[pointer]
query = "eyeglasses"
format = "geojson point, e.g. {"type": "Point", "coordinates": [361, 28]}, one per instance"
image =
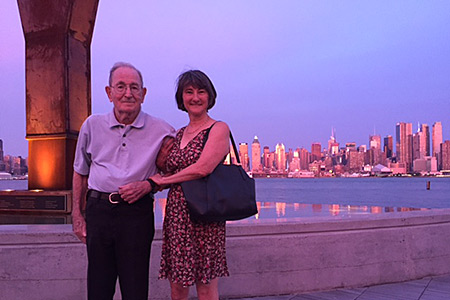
{"type": "Point", "coordinates": [122, 88]}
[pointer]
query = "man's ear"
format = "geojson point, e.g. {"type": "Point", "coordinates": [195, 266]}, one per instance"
{"type": "Point", "coordinates": [144, 92]}
{"type": "Point", "coordinates": [108, 92]}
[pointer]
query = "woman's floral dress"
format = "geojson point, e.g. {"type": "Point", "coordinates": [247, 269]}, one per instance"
{"type": "Point", "coordinates": [191, 251]}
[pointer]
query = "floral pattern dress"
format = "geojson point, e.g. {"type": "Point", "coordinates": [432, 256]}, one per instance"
{"type": "Point", "coordinates": [191, 251]}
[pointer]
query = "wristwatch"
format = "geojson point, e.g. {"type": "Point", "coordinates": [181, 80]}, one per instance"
{"type": "Point", "coordinates": [153, 185]}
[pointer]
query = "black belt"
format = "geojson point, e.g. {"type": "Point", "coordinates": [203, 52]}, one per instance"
{"type": "Point", "coordinates": [114, 198]}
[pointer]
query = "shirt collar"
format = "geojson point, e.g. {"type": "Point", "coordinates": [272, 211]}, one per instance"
{"type": "Point", "coordinates": [138, 122]}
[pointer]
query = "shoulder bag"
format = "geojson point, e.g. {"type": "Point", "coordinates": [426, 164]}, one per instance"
{"type": "Point", "coordinates": [228, 193]}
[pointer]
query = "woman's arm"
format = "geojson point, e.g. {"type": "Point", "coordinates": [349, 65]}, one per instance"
{"type": "Point", "coordinates": [163, 153]}
{"type": "Point", "coordinates": [216, 147]}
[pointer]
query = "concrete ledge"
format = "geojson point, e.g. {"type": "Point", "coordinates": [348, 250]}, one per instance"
{"type": "Point", "coordinates": [265, 257]}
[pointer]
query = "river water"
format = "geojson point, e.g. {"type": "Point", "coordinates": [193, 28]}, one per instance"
{"type": "Point", "coordinates": [291, 198]}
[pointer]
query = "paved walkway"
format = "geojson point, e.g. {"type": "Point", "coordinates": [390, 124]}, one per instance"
{"type": "Point", "coordinates": [429, 288]}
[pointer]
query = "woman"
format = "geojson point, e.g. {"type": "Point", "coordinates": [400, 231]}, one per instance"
{"type": "Point", "coordinates": [193, 252]}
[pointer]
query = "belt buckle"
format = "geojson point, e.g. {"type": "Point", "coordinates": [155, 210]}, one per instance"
{"type": "Point", "coordinates": [110, 198]}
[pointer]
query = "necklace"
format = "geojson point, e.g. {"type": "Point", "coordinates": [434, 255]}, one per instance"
{"type": "Point", "coordinates": [198, 127]}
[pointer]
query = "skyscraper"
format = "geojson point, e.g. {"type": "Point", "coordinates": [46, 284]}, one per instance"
{"type": "Point", "coordinates": [271, 160]}
{"type": "Point", "coordinates": [355, 160]}
{"type": "Point", "coordinates": [388, 146]}
{"type": "Point", "coordinates": [289, 155]}
{"type": "Point", "coordinates": [421, 142]}
{"type": "Point", "coordinates": [1, 150]}
{"type": "Point", "coordinates": [280, 157]}
{"type": "Point", "coordinates": [243, 155]}
{"type": "Point", "coordinates": [403, 144]}
{"type": "Point", "coordinates": [316, 152]}
{"type": "Point", "coordinates": [305, 158]}
{"type": "Point", "coordinates": [266, 158]}
{"type": "Point", "coordinates": [2, 163]}
{"type": "Point", "coordinates": [375, 147]}
{"type": "Point", "coordinates": [437, 141]}
{"type": "Point", "coordinates": [426, 138]}
{"type": "Point", "coordinates": [445, 155]}
{"type": "Point", "coordinates": [294, 164]}
{"type": "Point", "coordinates": [256, 155]}
{"type": "Point", "coordinates": [333, 145]}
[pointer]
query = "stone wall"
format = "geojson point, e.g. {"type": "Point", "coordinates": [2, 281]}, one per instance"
{"type": "Point", "coordinates": [265, 257]}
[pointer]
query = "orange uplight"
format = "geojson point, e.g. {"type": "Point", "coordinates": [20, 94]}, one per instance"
{"type": "Point", "coordinates": [45, 164]}
{"type": "Point", "coordinates": [48, 163]}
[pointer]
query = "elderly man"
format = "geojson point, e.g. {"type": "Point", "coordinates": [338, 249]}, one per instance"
{"type": "Point", "coordinates": [115, 155]}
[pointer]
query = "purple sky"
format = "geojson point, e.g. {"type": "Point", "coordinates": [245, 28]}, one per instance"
{"type": "Point", "coordinates": [287, 71]}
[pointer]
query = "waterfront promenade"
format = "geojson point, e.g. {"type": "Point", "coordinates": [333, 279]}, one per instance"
{"type": "Point", "coordinates": [428, 288]}
{"type": "Point", "coordinates": [266, 258]}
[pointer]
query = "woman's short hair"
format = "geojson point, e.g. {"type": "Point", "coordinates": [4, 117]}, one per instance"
{"type": "Point", "coordinates": [196, 79]}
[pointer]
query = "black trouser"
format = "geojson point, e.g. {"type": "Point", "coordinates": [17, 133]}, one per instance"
{"type": "Point", "coordinates": [119, 238]}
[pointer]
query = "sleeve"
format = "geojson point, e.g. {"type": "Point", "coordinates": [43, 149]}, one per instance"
{"type": "Point", "coordinates": [82, 160]}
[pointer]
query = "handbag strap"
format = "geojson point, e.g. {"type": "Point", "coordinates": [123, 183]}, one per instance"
{"type": "Point", "coordinates": [231, 138]}
{"type": "Point", "coordinates": [234, 148]}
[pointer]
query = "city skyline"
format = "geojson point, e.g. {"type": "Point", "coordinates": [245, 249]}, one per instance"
{"type": "Point", "coordinates": [286, 72]}
{"type": "Point", "coordinates": [421, 152]}
{"type": "Point", "coordinates": [323, 145]}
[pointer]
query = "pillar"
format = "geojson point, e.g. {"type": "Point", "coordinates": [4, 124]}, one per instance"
{"type": "Point", "coordinates": [58, 36]}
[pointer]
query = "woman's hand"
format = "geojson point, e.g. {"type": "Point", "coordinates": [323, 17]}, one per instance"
{"type": "Point", "coordinates": [158, 179]}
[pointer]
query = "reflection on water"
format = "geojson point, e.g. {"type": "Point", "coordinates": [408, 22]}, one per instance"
{"type": "Point", "coordinates": [278, 211]}
{"type": "Point", "coordinates": [281, 211]}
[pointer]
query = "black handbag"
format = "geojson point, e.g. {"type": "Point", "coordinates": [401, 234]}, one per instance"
{"type": "Point", "coordinates": [228, 193]}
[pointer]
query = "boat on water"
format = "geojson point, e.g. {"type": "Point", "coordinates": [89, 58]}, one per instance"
{"type": "Point", "coordinates": [8, 176]}
{"type": "Point", "coordinates": [301, 174]}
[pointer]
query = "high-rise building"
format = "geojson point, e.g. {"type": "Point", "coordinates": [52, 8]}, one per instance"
{"type": "Point", "coordinates": [421, 142]}
{"type": "Point", "coordinates": [305, 158]}
{"type": "Point", "coordinates": [1, 150]}
{"type": "Point", "coordinates": [416, 145]}
{"type": "Point", "coordinates": [375, 147]}
{"type": "Point", "coordinates": [316, 152]}
{"type": "Point", "coordinates": [445, 155]}
{"type": "Point", "coordinates": [425, 129]}
{"type": "Point", "coordinates": [355, 160]}
{"type": "Point", "coordinates": [2, 164]}
{"type": "Point", "coordinates": [266, 158]}
{"type": "Point", "coordinates": [271, 160]}
{"type": "Point", "coordinates": [333, 145]}
{"type": "Point", "coordinates": [350, 146]}
{"type": "Point", "coordinates": [403, 144]}
{"type": "Point", "coordinates": [280, 157]}
{"type": "Point", "coordinates": [437, 141]}
{"type": "Point", "coordinates": [290, 155]}
{"type": "Point", "coordinates": [243, 155]}
{"type": "Point", "coordinates": [388, 146]}
{"type": "Point", "coordinates": [294, 165]}
{"type": "Point", "coordinates": [256, 155]}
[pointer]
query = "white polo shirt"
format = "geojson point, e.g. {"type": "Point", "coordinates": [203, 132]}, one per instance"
{"type": "Point", "coordinates": [113, 154]}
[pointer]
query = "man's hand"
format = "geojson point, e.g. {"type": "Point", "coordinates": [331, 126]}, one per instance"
{"type": "Point", "coordinates": [134, 191]}
{"type": "Point", "coordinates": [79, 184]}
{"type": "Point", "coordinates": [79, 226]}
